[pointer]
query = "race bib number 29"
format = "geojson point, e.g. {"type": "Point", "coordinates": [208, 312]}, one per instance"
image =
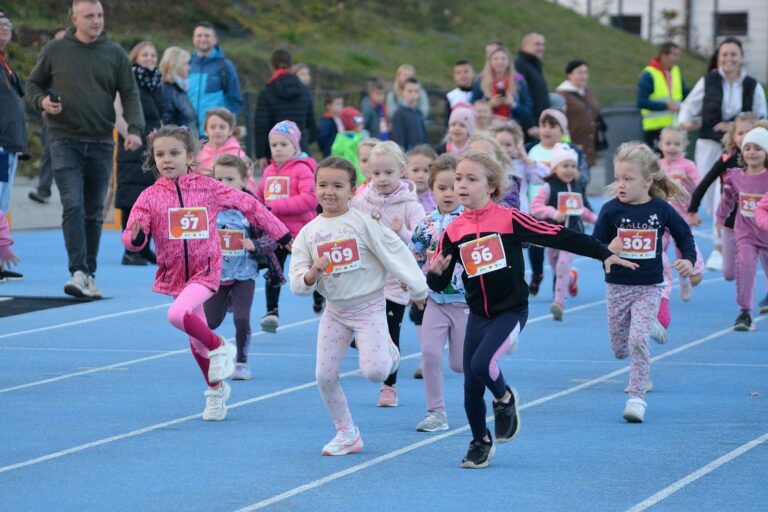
{"type": "Point", "coordinates": [187, 223]}
{"type": "Point", "coordinates": [483, 255]}
{"type": "Point", "coordinates": [748, 204]}
{"type": "Point", "coordinates": [638, 244]}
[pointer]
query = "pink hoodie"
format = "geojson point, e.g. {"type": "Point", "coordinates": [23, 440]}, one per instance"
{"type": "Point", "coordinates": [5, 237]}
{"type": "Point", "coordinates": [208, 155]}
{"type": "Point", "coordinates": [402, 204]}
{"type": "Point", "coordinates": [180, 262]}
{"type": "Point", "coordinates": [300, 206]}
{"type": "Point", "coordinates": [761, 214]}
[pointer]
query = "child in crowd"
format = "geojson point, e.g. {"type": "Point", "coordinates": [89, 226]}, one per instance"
{"type": "Point", "coordinates": [495, 289]}
{"type": "Point", "coordinates": [445, 316]}
{"type": "Point", "coordinates": [524, 170]}
{"type": "Point", "coordinates": [347, 257]}
{"type": "Point", "coordinates": [461, 127]}
{"type": "Point", "coordinates": [408, 127]}
{"type": "Point", "coordinates": [744, 188]}
{"type": "Point", "coordinates": [7, 256]}
{"type": "Point", "coordinates": [240, 242]}
{"type": "Point", "coordinates": [287, 188]}
{"type": "Point", "coordinates": [483, 116]}
{"type": "Point", "coordinates": [634, 223]}
{"type": "Point", "coordinates": [221, 129]}
{"type": "Point", "coordinates": [486, 143]}
{"type": "Point", "coordinates": [348, 140]}
{"type": "Point", "coordinates": [363, 155]}
{"type": "Point", "coordinates": [180, 210]}
{"type": "Point", "coordinates": [419, 159]}
{"type": "Point", "coordinates": [330, 123]}
{"type": "Point", "coordinates": [395, 203]}
{"type": "Point", "coordinates": [374, 111]}
{"type": "Point", "coordinates": [461, 96]}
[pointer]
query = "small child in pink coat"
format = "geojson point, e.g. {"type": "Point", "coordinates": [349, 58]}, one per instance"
{"type": "Point", "coordinates": [221, 129]}
{"type": "Point", "coordinates": [7, 256]}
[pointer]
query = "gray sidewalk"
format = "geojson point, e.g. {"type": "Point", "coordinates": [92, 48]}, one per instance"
{"type": "Point", "coordinates": [27, 214]}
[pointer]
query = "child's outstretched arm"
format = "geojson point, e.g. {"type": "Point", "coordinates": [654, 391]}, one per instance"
{"type": "Point", "coordinates": [7, 256]}
{"type": "Point", "coordinates": [138, 226]}
{"type": "Point", "coordinates": [541, 210]}
{"type": "Point", "coordinates": [440, 270]}
{"type": "Point", "coordinates": [256, 213]}
{"type": "Point", "coordinates": [728, 201]}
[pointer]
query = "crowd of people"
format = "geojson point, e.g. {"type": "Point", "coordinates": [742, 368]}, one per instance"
{"type": "Point", "coordinates": [385, 223]}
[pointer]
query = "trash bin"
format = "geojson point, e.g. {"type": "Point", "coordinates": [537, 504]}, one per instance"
{"type": "Point", "coordinates": [624, 124]}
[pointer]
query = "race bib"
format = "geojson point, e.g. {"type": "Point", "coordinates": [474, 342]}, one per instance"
{"type": "Point", "coordinates": [570, 203]}
{"type": "Point", "coordinates": [187, 223]}
{"type": "Point", "coordinates": [483, 255]}
{"type": "Point", "coordinates": [277, 187]}
{"type": "Point", "coordinates": [344, 255]}
{"type": "Point", "coordinates": [748, 204]}
{"type": "Point", "coordinates": [231, 241]}
{"type": "Point", "coordinates": [638, 244]}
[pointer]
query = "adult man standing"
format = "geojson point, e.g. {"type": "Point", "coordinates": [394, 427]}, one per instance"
{"type": "Point", "coordinates": [528, 64]}
{"type": "Point", "coordinates": [75, 81]}
{"type": "Point", "coordinates": [213, 81]}
{"type": "Point", "coordinates": [660, 91]}
{"type": "Point", "coordinates": [13, 132]}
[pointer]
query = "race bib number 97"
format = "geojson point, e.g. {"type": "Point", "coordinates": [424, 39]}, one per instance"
{"type": "Point", "coordinates": [187, 223]}
{"type": "Point", "coordinates": [638, 244]}
{"type": "Point", "coordinates": [483, 255]}
{"type": "Point", "coordinates": [748, 204]}
{"type": "Point", "coordinates": [344, 255]}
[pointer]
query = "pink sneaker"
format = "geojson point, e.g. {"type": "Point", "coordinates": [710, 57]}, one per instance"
{"type": "Point", "coordinates": [573, 285]}
{"type": "Point", "coordinates": [387, 396]}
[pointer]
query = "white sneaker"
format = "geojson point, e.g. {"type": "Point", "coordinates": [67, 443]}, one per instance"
{"type": "Point", "coordinates": [715, 261]}
{"type": "Point", "coordinates": [77, 286]}
{"type": "Point", "coordinates": [216, 402]}
{"type": "Point", "coordinates": [658, 332]}
{"type": "Point", "coordinates": [242, 372]}
{"type": "Point", "coordinates": [686, 289]}
{"type": "Point", "coordinates": [222, 362]}
{"type": "Point", "coordinates": [394, 353]}
{"type": "Point", "coordinates": [434, 421]}
{"type": "Point", "coordinates": [343, 443]}
{"type": "Point", "coordinates": [91, 290]}
{"type": "Point", "coordinates": [634, 411]}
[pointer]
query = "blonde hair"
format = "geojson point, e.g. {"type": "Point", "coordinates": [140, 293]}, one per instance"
{"type": "Point", "coordinates": [241, 164]}
{"type": "Point", "coordinates": [487, 82]}
{"type": "Point", "coordinates": [136, 50]}
{"type": "Point", "coordinates": [389, 148]}
{"type": "Point", "coordinates": [493, 171]}
{"type": "Point", "coordinates": [675, 129]}
{"type": "Point", "coordinates": [729, 139]}
{"type": "Point", "coordinates": [371, 141]}
{"type": "Point", "coordinates": [644, 157]}
{"type": "Point", "coordinates": [512, 128]}
{"type": "Point", "coordinates": [173, 59]}
{"type": "Point", "coordinates": [498, 152]}
{"type": "Point", "coordinates": [400, 88]}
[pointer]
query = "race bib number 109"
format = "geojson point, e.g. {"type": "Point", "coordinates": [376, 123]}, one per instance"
{"type": "Point", "coordinates": [344, 255]}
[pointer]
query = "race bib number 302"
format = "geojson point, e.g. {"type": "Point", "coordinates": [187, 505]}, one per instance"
{"type": "Point", "coordinates": [187, 223]}
{"type": "Point", "coordinates": [570, 203]}
{"type": "Point", "coordinates": [344, 255]}
{"type": "Point", "coordinates": [638, 244]}
{"type": "Point", "coordinates": [231, 241]}
{"type": "Point", "coordinates": [483, 255]}
{"type": "Point", "coordinates": [748, 204]}
{"type": "Point", "coordinates": [277, 187]}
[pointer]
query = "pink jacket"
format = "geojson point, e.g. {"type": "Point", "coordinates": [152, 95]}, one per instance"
{"type": "Point", "coordinates": [180, 262]}
{"type": "Point", "coordinates": [761, 215]}
{"type": "Point", "coordinates": [300, 206]}
{"type": "Point", "coordinates": [686, 175]}
{"type": "Point", "coordinates": [5, 237]}
{"type": "Point", "coordinates": [746, 226]}
{"type": "Point", "coordinates": [402, 204]}
{"type": "Point", "coordinates": [208, 155]}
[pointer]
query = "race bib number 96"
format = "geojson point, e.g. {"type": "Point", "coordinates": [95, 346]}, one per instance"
{"type": "Point", "coordinates": [638, 244]}
{"type": "Point", "coordinates": [187, 223]}
{"type": "Point", "coordinates": [483, 255]}
{"type": "Point", "coordinates": [748, 204]}
{"type": "Point", "coordinates": [344, 255]}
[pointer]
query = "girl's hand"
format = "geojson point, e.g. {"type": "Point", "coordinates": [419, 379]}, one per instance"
{"type": "Point", "coordinates": [684, 267]}
{"type": "Point", "coordinates": [7, 261]}
{"type": "Point", "coordinates": [559, 217]}
{"type": "Point", "coordinates": [688, 126]}
{"type": "Point", "coordinates": [722, 126]}
{"type": "Point", "coordinates": [616, 245]}
{"type": "Point", "coordinates": [694, 219]}
{"type": "Point", "coordinates": [438, 264]}
{"type": "Point", "coordinates": [289, 246]}
{"type": "Point", "coordinates": [421, 304]}
{"type": "Point", "coordinates": [396, 225]}
{"type": "Point", "coordinates": [719, 228]}
{"type": "Point", "coordinates": [615, 260]}
{"type": "Point", "coordinates": [248, 245]}
{"type": "Point", "coordinates": [496, 101]}
{"type": "Point", "coordinates": [316, 271]}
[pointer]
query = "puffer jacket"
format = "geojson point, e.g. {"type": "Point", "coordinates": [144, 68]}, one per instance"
{"type": "Point", "coordinates": [301, 207]}
{"type": "Point", "coordinates": [208, 154]}
{"type": "Point", "coordinates": [180, 262]}
{"type": "Point", "coordinates": [402, 204]}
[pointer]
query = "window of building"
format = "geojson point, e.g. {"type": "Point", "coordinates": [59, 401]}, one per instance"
{"type": "Point", "coordinates": [631, 24]}
{"type": "Point", "coordinates": [732, 23]}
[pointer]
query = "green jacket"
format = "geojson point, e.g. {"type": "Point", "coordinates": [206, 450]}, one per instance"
{"type": "Point", "coordinates": [345, 145]}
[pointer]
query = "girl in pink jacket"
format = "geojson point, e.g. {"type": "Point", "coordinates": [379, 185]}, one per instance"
{"type": "Point", "coordinates": [7, 256]}
{"type": "Point", "coordinates": [394, 202]}
{"type": "Point", "coordinates": [287, 187]}
{"type": "Point", "coordinates": [221, 129]}
{"type": "Point", "coordinates": [179, 210]}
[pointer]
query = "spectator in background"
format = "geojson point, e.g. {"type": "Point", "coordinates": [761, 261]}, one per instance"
{"type": "Point", "coordinates": [396, 96]}
{"type": "Point", "coordinates": [528, 64]}
{"type": "Point", "coordinates": [177, 108]}
{"type": "Point", "coordinates": [131, 178]}
{"type": "Point", "coordinates": [504, 89]}
{"type": "Point", "coordinates": [461, 95]}
{"type": "Point", "coordinates": [408, 127]}
{"type": "Point", "coordinates": [581, 109]}
{"type": "Point", "coordinates": [374, 112]}
{"type": "Point", "coordinates": [284, 98]}
{"type": "Point", "coordinates": [330, 123]}
{"type": "Point", "coordinates": [13, 131]}
{"type": "Point", "coordinates": [75, 81]}
{"type": "Point", "coordinates": [303, 73]}
{"type": "Point", "coordinates": [660, 91]}
{"type": "Point", "coordinates": [213, 78]}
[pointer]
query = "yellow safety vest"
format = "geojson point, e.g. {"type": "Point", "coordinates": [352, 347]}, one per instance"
{"type": "Point", "coordinates": [658, 119]}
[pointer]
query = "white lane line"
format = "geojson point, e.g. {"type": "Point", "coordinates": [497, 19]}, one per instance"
{"type": "Point", "coordinates": [133, 361]}
{"type": "Point", "coordinates": [704, 470]}
{"type": "Point", "coordinates": [391, 455]}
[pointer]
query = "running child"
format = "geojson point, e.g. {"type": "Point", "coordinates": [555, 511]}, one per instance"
{"type": "Point", "coordinates": [221, 129]}
{"type": "Point", "coordinates": [287, 187]}
{"type": "Point", "coordinates": [347, 257]}
{"type": "Point", "coordinates": [7, 256]}
{"type": "Point", "coordinates": [419, 159]}
{"type": "Point", "coordinates": [524, 170]}
{"type": "Point", "coordinates": [487, 240]}
{"type": "Point", "coordinates": [461, 127]}
{"type": "Point", "coordinates": [179, 210]}
{"type": "Point", "coordinates": [634, 223]}
{"type": "Point", "coordinates": [562, 200]}
{"type": "Point", "coordinates": [363, 155]}
{"type": "Point", "coordinates": [445, 316]}
{"type": "Point", "coordinates": [394, 202]}
{"type": "Point", "coordinates": [744, 188]}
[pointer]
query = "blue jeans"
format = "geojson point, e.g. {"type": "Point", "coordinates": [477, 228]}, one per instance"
{"type": "Point", "coordinates": [82, 170]}
{"type": "Point", "coordinates": [8, 163]}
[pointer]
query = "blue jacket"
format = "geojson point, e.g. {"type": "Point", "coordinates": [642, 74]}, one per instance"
{"type": "Point", "coordinates": [207, 75]}
{"type": "Point", "coordinates": [237, 268]}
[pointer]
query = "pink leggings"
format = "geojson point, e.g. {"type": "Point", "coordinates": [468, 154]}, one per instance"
{"type": "Point", "coordinates": [698, 267]}
{"type": "Point", "coordinates": [441, 322]}
{"type": "Point", "coordinates": [368, 322]}
{"type": "Point", "coordinates": [560, 261]}
{"type": "Point", "coordinates": [187, 314]}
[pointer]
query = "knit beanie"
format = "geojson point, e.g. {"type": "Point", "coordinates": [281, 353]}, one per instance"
{"type": "Point", "coordinates": [289, 130]}
{"type": "Point", "coordinates": [757, 136]}
{"type": "Point", "coordinates": [562, 153]}
{"type": "Point", "coordinates": [558, 115]}
{"type": "Point", "coordinates": [465, 116]}
{"type": "Point", "coordinates": [351, 118]}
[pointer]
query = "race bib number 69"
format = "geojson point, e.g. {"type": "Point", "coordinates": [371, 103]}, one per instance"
{"type": "Point", "coordinates": [483, 255]}
{"type": "Point", "coordinates": [638, 244]}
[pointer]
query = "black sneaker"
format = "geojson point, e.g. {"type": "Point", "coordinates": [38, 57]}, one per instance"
{"type": "Point", "coordinates": [133, 259]}
{"type": "Point", "coordinates": [270, 321]}
{"type": "Point", "coordinates": [743, 322]}
{"type": "Point", "coordinates": [150, 256]}
{"type": "Point", "coordinates": [40, 196]}
{"type": "Point", "coordinates": [533, 286]}
{"type": "Point", "coordinates": [506, 418]}
{"type": "Point", "coordinates": [317, 306]}
{"type": "Point", "coordinates": [479, 453]}
{"type": "Point", "coordinates": [7, 275]}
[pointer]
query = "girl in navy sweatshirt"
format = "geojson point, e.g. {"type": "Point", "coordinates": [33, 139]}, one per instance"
{"type": "Point", "coordinates": [487, 239]}
{"type": "Point", "coordinates": [634, 223]}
